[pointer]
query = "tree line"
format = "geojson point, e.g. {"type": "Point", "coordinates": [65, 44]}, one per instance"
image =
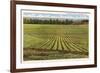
{"type": "Point", "coordinates": [52, 21]}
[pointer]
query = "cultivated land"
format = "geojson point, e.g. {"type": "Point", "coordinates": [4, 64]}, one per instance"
{"type": "Point", "coordinates": [46, 42]}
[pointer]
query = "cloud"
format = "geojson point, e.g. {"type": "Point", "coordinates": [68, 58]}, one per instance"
{"type": "Point", "coordinates": [67, 15]}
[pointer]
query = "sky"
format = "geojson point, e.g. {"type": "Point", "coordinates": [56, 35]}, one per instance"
{"type": "Point", "coordinates": [66, 15]}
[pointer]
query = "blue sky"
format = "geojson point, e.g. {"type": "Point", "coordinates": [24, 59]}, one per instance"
{"type": "Point", "coordinates": [68, 15]}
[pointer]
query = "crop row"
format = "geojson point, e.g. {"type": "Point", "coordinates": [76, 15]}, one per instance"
{"type": "Point", "coordinates": [60, 43]}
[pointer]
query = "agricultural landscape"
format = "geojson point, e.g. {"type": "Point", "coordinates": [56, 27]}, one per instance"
{"type": "Point", "coordinates": [54, 38]}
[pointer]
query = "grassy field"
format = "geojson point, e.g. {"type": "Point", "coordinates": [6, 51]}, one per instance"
{"type": "Point", "coordinates": [44, 42]}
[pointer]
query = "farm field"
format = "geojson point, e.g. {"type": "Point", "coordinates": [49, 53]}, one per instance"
{"type": "Point", "coordinates": [46, 42]}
